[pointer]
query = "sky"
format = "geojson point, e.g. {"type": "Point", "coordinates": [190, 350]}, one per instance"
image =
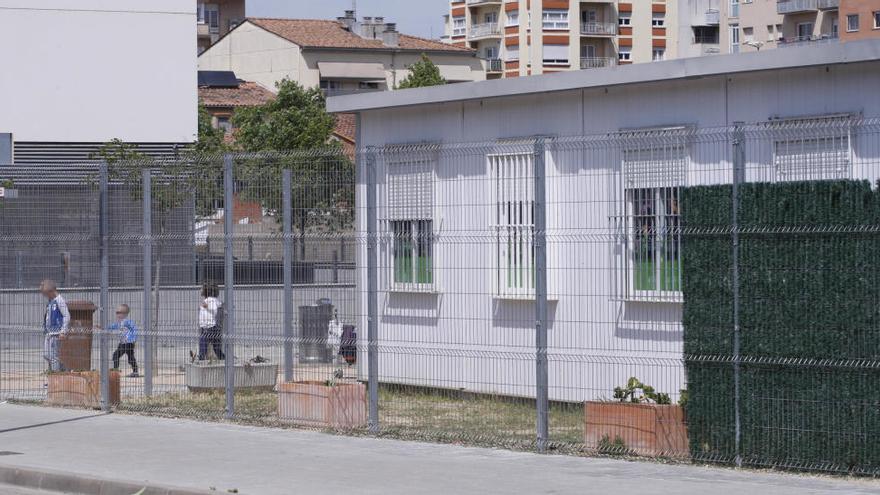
{"type": "Point", "coordinates": [417, 17]}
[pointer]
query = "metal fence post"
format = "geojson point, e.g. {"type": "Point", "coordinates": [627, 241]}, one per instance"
{"type": "Point", "coordinates": [286, 205]}
{"type": "Point", "coordinates": [149, 335]}
{"type": "Point", "coordinates": [229, 283]}
{"type": "Point", "coordinates": [739, 159]}
{"type": "Point", "coordinates": [105, 285]}
{"type": "Point", "coordinates": [542, 401]}
{"type": "Point", "coordinates": [372, 294]}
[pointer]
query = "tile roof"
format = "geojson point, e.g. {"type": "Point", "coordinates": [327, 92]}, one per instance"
{"type": "Point", "coordinates": [248, 94]}
{"type": "Point", "coordinates": [346, 126]}
{"type": "Point", "coordinates": [313, 33]}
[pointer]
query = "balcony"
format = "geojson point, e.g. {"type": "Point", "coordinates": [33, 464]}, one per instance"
{"type": "Point", "coordinates": [597, 62]}
{"type": "Point", "coordinates": [487, 30]}
{"type": "Point", "coordinates": [598, 29]}
{"type": "Point", "coordinates": [478, 3]}
{"type": "Point", "coordinates": [713, 17]}
{"type": "Point", "coordinates": [796, 6]}
{"type": "Point", "coordinates": [828, 4]}
{"type": "Point", "coordinates": [806, 40]}
{"type": "Point", "coordinates": [494, 65]}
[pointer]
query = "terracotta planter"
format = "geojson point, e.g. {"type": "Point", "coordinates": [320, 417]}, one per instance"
{"type": "Point", "coordinates": [343, 406]}
{"type": "Point", "coordinates": [645, 429]}
{"type": "Point", "coordinates": [80, 389]}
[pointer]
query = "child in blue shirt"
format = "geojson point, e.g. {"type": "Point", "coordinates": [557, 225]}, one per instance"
{"type": "Point", "coordinates": [127, 337]}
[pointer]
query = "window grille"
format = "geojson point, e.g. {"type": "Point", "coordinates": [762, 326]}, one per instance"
{"type": "Point", "coordinates": [513, 198]}
{"type": "Point", "coordinates": [409, 207]}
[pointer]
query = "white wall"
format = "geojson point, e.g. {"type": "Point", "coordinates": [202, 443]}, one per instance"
{"type": "Point", "coordinates": [471, 340]}
{"type": "Point", "coordinates": [106, 69]}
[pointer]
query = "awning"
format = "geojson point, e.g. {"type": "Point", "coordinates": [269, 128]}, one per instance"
{"type": "Point", "coordinates": [351, 70]}
{"type": "Point", "coordinates": [456, 73]}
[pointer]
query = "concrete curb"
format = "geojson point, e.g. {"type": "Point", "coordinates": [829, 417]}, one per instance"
{"type": "Point", "coordinates": [47, 479]}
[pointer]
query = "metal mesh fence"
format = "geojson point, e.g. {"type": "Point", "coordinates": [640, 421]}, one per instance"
{"type": "Point", "coordinates": [679, 293]}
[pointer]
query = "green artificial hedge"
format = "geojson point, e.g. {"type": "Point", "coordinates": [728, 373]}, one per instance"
{"type": "Point", "coordinates": [809, 271]}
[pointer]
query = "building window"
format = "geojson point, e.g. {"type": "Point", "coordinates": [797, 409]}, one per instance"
{"type": "Point", "coordinates": [877, 19]}
{"type": "Point", "coordinates": [512, 18]}
{"type": "Point", "coordinates": [734, 38]}
{"type": "Point", "coordinates": [658, 54]}
{"type": "Point", "coordinates": [804, 31]}
{"type": "Point", "coordinates": [734, 8]}
{"type": "Point", "coordinates": [706, 34]}
{"type": "Point", "coordinates": [513, 197]}
{"type": "Point", "coordinates": [748, 34]}
{"type": "Point", "coordinates": [330, 85]}
{"type": "Point", "coordinates": [224, 124]}
{"type": "Point", "coordinates": [778, 32]}
{"type": "Point", "coordinates": [654, 169]}
{"type": "Point", "coordinates": [555, 55]}
{"type": "Point", "coordinates": [624, 19]}
{"type": "Point", "coordinates": [410, 211]}
{"type": "Point", "coordinates": [459, 26]}
{"type": "Point", "coordinates": [852, 22]}
{"type": "Point", "coordinates": [555, 19]}
{"type": "Point", "coordinates": [770, 37]}
{"type": "Point", "coordinates": [809, 156]}
{"type": "Point", "coordinates": [368, 85]}
{"type": "Point", "coordinates": [209, 13]}
{"type": "Point", "coordinates": [625, 54]}
{"type": "Point", "coordinates": [658, 20]}
{"type": "Point", "coordinates": [512, 53]}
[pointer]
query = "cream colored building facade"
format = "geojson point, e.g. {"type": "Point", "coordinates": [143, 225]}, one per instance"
{"type": "Point", "coordinates": [525, 37]}
{"type": "Point", "coordinates": [340, 56]}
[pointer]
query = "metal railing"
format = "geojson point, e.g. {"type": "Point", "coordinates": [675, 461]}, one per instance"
{"type": "Point", "coordinates": [599, 28]}
{"type": "Point", "coordinates": [828, 4]}
{"type": "Point", "coordinates": [794, 6]}
{"type": "Point", "coordinates": [484, 30]}
{"type": "Point", "coordinates": [484, 2]}
{"type": "Point", "coordinates": [597, 62]}
{"type": "Point", "coordinates": [713, 17]}
{"type": "Point", "coordinates": [494, 65]}
{"type": "Point", "coordinates": [806, 40]}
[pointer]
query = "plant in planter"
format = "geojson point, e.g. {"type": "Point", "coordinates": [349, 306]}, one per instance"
{"type": "Point", "coordinates": [638, 421]}
{"type": "Point", "coordinates": [80, 388]}
{"type": "Point", "coordinates": [327, 404]}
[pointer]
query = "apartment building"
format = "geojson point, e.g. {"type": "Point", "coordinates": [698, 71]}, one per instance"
{"type": "Point", "coordinates": [861, 18]}
{"type": "Point", "coordinates": [766, 24]}
{"type": "Point", "coordinates": [215, 19]}
{"type": "Point", "coordinates": [525, 37]}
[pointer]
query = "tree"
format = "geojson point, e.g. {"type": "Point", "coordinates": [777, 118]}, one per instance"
{"type": "Point", "coordinates": [190, 181]}
{"type": "Point", "coordinates": [295, 120]}
{"type": "Point", "coordinates": [210, 139]}
{"type": "Point", "coordinates": [421, 74]}
{"type": "Point", "coordinates": [294, 131]}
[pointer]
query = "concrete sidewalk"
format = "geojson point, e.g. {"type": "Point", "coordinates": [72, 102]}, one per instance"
{"type": "Point", "coordinates": [199, 456]}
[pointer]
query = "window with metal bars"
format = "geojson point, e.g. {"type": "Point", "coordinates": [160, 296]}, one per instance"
{"type": "Point", "coordinates": [513, 201]}
{"type": "Point", "coordinates": [821, 154]}
{"type": "Point", "coordinates": [410, 204]}
{"type": "Point", "coordinates": [654, 170]}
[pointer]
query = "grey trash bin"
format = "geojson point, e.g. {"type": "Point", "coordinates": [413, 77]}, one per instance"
{"type": "Point", "coordinates": [314, 321]}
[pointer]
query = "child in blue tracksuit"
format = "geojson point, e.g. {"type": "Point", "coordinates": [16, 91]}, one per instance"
{"type": "Point", "coordinates": [56, 322]}
{"type": "Point", "coordinates": [127, 337]}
